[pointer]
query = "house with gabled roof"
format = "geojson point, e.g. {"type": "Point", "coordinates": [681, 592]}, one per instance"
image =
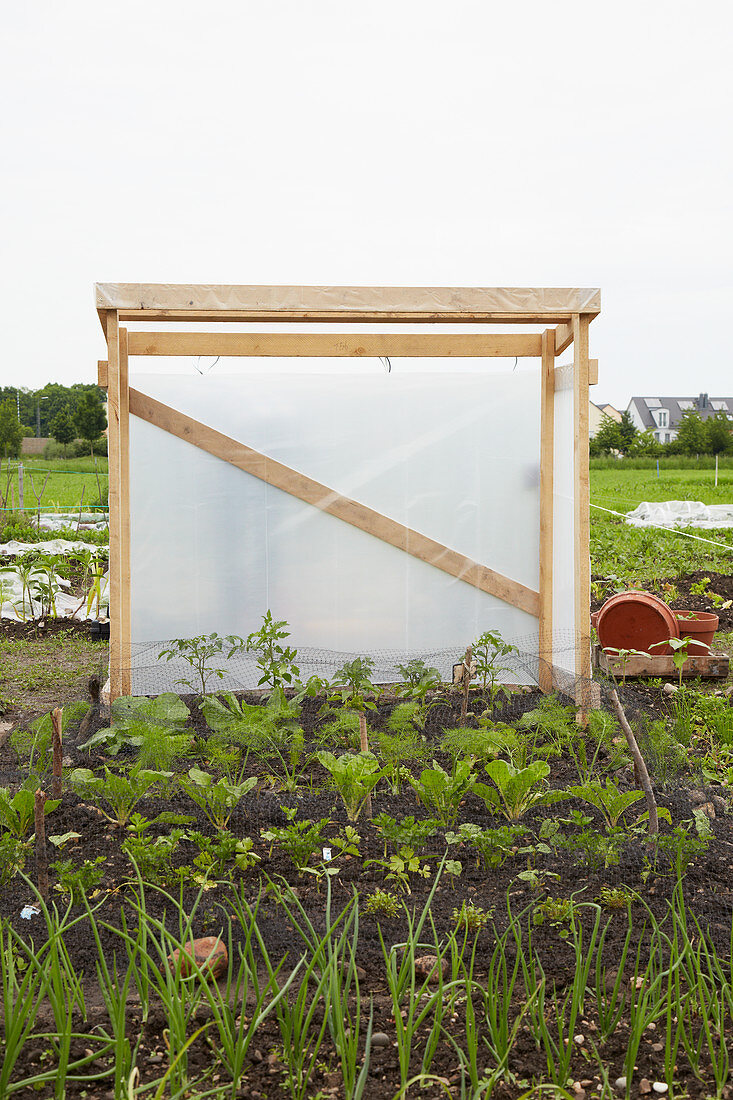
{"type": "Point", "coordinates": [662, 415]}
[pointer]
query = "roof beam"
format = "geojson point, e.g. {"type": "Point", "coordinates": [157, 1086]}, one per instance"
{"type": "Point", "coordinates": [316, 345]}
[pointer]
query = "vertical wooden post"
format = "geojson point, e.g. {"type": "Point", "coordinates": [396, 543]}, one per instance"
{"type": "Point", "coordinates": [581, 397]}
{"type": "Point", "coordinates": [113, 442]}
{"type": "Point", "coordinates": [547, 463]}
{"type": "Point", "coordinates": [21, 489]}
{"type": "Point", "coordinates": [124, 531]}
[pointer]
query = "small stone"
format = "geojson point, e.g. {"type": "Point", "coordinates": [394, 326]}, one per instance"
{"type": "Point", "coordinates": [657, 1047]}
{"type": "Point", "coordinates": [154, 1059]}
{"type": "Point", "coordinates": [379, 1040]}
{"type": "Point", "coordinates": [721, 806]}
{"type": "Point", "coordinates": [670, 689]}
{"type": "Point", "coordinates": [578, 1092]}
{"type": "Point", "coordinates": [620, 1085]}
{"type": "Point", "coordinates": [698, 797]}
{"type": "Point", "coordinates": [427, 967]}
{"type": "Point", "coordinates": [645, 1086]}
{"type": "Point", "coordinates": [579, 1039]}
{"type": "Point", "coordinates": [660, 1087]}
{"type": "Point", "coordinates": [708, 809]}
{"type": "Point", "coordinates": [209, 954]}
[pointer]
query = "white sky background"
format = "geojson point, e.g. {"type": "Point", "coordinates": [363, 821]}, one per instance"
{"type": "Point", "coordinates": [463, 143]}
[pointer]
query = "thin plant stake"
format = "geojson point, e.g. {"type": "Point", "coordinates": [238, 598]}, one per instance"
{"type": "Point", "coordinates": [466, 682]}
{"type": "Point", "coordinates": [364, 739]}
{"type": "Point", "coordinates": [640, 768]}
{"type": "Point", "coordinates": [57, 746]}
{"type": "Point", "coordinates": [41, 859]}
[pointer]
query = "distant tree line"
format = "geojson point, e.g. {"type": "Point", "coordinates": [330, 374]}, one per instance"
{"type": "Point", "coordinates": [695, 436]}
{"type": "Point", "coordinates": [65, 413]}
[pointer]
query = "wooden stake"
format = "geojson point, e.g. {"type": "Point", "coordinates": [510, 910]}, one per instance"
{"type": "Point", "coordinates": [640, 768]}
{"type": "Point", "coordinates": [546, 547]}
{"type": "Point", "coordinates": [467, 661]}
{"type": "Point", "coordinates": [364, 739]}
{"type": "Point", "coordinates": [41, 859]}
{"type": "Point", "coordinates": [56, 743]}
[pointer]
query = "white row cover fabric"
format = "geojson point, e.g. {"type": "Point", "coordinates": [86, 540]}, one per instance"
{"type": "Point", "coordinates": [59, 521]}
{"type": "Point", "coordinates": [530, 300]}
{"type": "Point", "coordinates": [454, 456]}
{"type": "Point", "coordinates": [14, 549]}
{"type": "Point", "coordinates": [19, 604]}
{"type": "Point", "coordinates": [680, 513]}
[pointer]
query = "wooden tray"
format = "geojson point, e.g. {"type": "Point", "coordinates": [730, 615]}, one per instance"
{"type": "Point", "coordinates": [710, 666]}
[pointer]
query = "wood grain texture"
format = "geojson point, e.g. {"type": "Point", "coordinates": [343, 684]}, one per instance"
{"type": "Point", "coordinates": [125, 621]}
{"type": "Point", "coordinates": [325, 344]}
{"type": "Point", "coordinates": [546, 547]}
{"type": "Point", "coordinates": [102, 373]}
{"type": "Point", "coordinates": [113, 440]}
{"type": "Point", "coordinates": [327, 500]}
{"type": "Point", "coordinates": [583, 667]}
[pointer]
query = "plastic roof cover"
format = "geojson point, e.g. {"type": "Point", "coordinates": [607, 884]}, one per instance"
{"type": "Point", "coordinates": [388, 299]}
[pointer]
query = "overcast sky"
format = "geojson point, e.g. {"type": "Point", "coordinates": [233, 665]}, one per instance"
{"type": "Point", "coordinates": [390, 143]}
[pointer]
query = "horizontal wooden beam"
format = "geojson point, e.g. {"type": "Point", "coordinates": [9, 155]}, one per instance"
{"type": "Point", "coordinates": [327, 500]}
{"type": "Point", "coordinates": [102, 371]}
{"type": "Point", "coordinates": [345, 316]}
{"type": "Point", "coordinates": [326, 344]}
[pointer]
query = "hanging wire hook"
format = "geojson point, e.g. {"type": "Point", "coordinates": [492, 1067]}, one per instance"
{"type": "Point", "coordinates": [516, 360]}
{"type": "Point", "coordinates": [198, 360]}
{"type": "Point", "coordinates": [384, 359]}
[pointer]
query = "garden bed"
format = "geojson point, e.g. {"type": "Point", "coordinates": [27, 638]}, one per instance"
{"type": "Point", "coordinates": [552, 875]}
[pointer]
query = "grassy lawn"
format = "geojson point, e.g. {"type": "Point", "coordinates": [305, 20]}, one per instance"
{"type": "Point", "coordinates": [67, 480]}
{"type": "Point", "coordinates": [40, 673]}
{"type": "Point", "coordinates": [637, 556]}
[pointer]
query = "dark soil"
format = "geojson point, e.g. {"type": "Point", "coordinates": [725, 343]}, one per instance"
{"type": "Point", "coordinates": [707, 884]}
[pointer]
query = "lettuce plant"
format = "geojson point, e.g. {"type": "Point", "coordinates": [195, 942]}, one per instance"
{"type": "Point", "coordinates": [217, 799]}
{"type": "Point", "coordinates": [355, 775]}
{"type": "Point", "coordinates": [17, 812]}
{"type": "Point", "coordinates": [440, 792]}
{"type": "Point", "coordinates": [514, 790]}
{"type": "Point", "coordinates": [155, 726]}
{"type": "Point", "coordinates": [121, 792]}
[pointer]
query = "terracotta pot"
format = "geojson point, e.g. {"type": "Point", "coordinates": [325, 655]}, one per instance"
{"type": "Point", "coordinates": [700, 625]}
{"type": "Point", "coordinates": [635, 620]}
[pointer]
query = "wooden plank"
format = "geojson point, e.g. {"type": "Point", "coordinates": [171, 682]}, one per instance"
{"type": "Point", "coordinates": [124, 528]}
{"type": "Point", "coordinates": [542, 304]}
{"type": "Point", "coordinates": [113, 442]}
{"type": "Point", "coordinates": [343, 316]}
{"type": "Point", "coordinates": [547, 462]}
{"type": "Point", "coordinates": [583, 666]}
{"type": "Point", "coordinates": [102, 373]}
{"type": "Point", "coordinates": [592, 372]}
{"type": "Point", "coordinates": [407, 345]}
{"type": "Point", "coordinates": [327, 500]}
{"type": "Point", "coordinates": [563, 338]}
{"type": "Point", "coordinates": [708, 666]}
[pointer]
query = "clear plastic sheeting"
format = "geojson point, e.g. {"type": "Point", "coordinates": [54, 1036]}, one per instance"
{"type": "Point", "coordinates": [296, 299]}
{"type": "Point", "coordinates": [681, 513]}
{"type": "Point", "coordinates": [453, 456]}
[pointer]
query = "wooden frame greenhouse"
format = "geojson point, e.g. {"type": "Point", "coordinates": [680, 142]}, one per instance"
{"type": "Point", "coordinates": [552, 321]}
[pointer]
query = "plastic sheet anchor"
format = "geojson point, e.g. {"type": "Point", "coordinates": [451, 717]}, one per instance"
{"type": "Point", "coordinates": [29, 911]}
{"type": "Point", "coordinates": [327, 855]}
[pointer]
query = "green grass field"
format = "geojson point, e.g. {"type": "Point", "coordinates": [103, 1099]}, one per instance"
{"type": "Point", "coordinates": [67, 480]}
{"type": "Point", "coordinates": [639, 556]}
{"type": "Point", "coordinates": [633, 556]}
